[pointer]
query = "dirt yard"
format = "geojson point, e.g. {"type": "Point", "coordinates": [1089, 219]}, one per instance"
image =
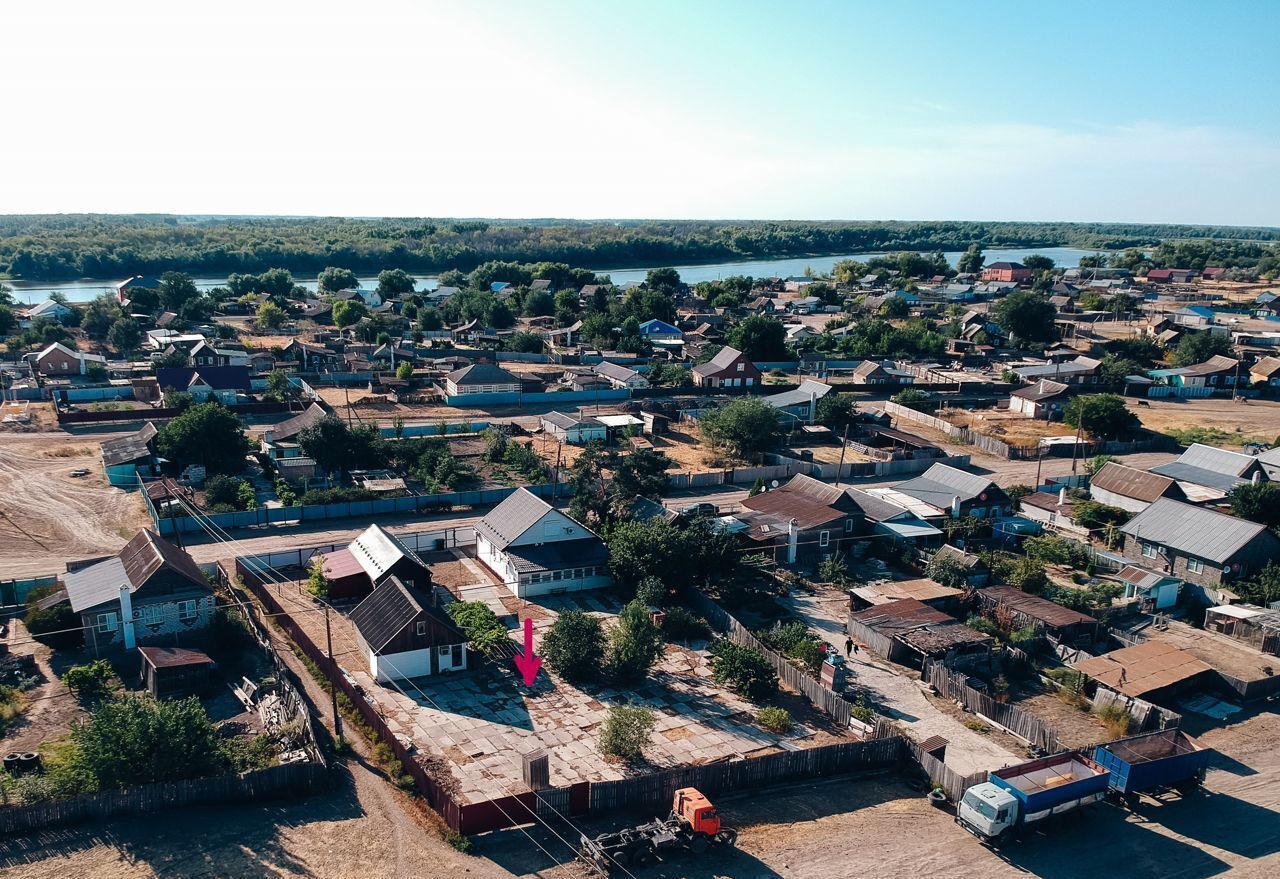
{"type": "Point", "coordinates": [1008, 427]}
{"type": "Point", "coordinates": [1240, 421]}
{"type": "Point", "coordinates": [47, 516]}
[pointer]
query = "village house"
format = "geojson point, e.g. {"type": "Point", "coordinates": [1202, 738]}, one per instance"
{"type": "Point", "coordinates": [369, 560]}
{"type": "Point", "coordinates": [730, 368]}
{"type": "Point", "coordinates": [1197, 544]}
{"type": "Point", "coordinates": [1171, 276]}
{"type": "Point", "coordinates": [1201, 379]}
{"type": "Point", "coordinates": [1130, 489]}
{"type": "Point", "coordinates": [872, 372]}
{"type": "Point", "coordinates": [281, 440]}
{"type": "Point", "coordinates": [127, 457]}
{"type": "Point", "coordinates": [805, 521]}
{"type": "Point", "coordinates": [1023, 610]}
{"type": "Point", "coordinates": [656, 331]}
{"type": "Point", "coordinates": [481, 378]}
{"type": "Point", "coordinates": [621, 376]}
{"type": "Point", "coordinates": [1195, 316]}
{"type": "Point", "coordinates": [577, 430]}
{"type": "Point", "coordinates": [1266, 372]}
{"type": "Point", "coordinates": [50, 309]}
{"type": "Point", "coordinates": [1053, 510]}
{"type": "Point", "coordinates": [537, 550]}
{"type": "Point", "coordinates": [1043, 399]}
{"type": "Point", "coordinates": [1079, 371]}
{"type": "Point", "coordinates": [204, 354]}
{"type": "Point", "coordinates": [150, 591]}
{"type": "Point", "coordinates": [1153, 590]}
{"type": "Point", "coordinates": [313, 358]}
{"type": "Point", "coordinates": [1014, 272]}
{"type": "Point", "coordinates": [124, 290]}
{"type": "Point", "coordinates": [903, 527]}
{"type": "Point", "coordinates": [977, 574]}
{"type": "Point", "coordinates": [801, 403]}
{"type": "Point", "coordinates": [59, 360]}
{"type": "Point", "coordinates": [223, 383]}
{"type": "Point", "coordinates": [908, 632]}
{"type": "Point", "coordinates": [1207, 473]}
{"type": "Point", "coordinates": [956, 494]}
{"type": "Point", "coordinates": [404, 633]}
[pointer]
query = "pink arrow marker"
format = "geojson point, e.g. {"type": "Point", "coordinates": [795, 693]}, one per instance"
{"type": "Point", "coordinates": [527, 662]}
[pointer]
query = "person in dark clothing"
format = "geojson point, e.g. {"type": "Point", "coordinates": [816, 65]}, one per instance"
{"type": "Point", "coordinates": [849, 646]}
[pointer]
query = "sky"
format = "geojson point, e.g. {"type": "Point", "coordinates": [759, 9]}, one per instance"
{"type": "Point", "coordinates": [1093, 111]}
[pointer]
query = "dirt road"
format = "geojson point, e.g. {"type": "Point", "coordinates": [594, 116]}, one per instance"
{"type": "Point", "coordinates": [47, 516]}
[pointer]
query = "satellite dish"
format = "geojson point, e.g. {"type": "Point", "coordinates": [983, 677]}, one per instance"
{"type": "Point", "coordinates": [773, 484]}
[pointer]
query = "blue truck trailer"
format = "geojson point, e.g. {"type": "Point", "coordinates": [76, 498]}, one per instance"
{"type": "Point", "coordinates": [1018, 796]}
{"type": "Point", "coordinates": [1153, 763]}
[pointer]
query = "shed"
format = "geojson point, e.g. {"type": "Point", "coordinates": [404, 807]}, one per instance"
{"type": "Point", "coordinates": [1063, 623]}
{"type": "Point", "coordinates": [909, 631]}
{"type": "Point", "coordinates": [1146, 671]}
{"type": "Point", "coordinates": [175, 672]}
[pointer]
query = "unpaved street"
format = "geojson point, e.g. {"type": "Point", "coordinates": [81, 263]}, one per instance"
{"type": "Point", "coordinates": [48, 517]}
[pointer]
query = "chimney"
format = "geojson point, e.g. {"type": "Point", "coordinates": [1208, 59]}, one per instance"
{"type": "Point", "coordinates": [1062, 495]}
{"type": "Point", "coordinates": [955, 507]}
{"type": "Point", "coordinates": [793, 536]}
{"type": "Point", "coordinates": [126, 618]}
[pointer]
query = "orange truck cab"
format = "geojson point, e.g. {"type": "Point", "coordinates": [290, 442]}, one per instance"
{"type": "Point", "coordinates": [696, 810]}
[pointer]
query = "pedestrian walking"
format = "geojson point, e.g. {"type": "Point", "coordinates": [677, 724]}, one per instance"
{"type": "Point", "coordinates": [848, 646]}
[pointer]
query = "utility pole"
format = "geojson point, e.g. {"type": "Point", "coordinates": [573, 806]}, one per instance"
{"type": "Point", "coordinates": [1075, 447]}
{"type": "Point", "coordinates": [844, 444]}
{"type": "Point", "coordinates": [333, 669]}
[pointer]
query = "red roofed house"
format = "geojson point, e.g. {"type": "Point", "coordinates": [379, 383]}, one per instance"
{"type": "Point", "coordinates": [730, 368]}
{"type": "Point", "coordinates": [369, 560]}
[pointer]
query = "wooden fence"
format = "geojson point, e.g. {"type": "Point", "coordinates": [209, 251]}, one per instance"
{"type": "Point", "coordinates": [656, 789]}
{"type": "Point", "coordinates": [1148, 717]}
{"type": "Point", "coordinates": [820, 697]}
{"type": "Point", "coordinates": [954, 685]}
{"type": "Point", "coordinates": [286, 780]}
{"type": "Point", "coordinates": [942, 775]}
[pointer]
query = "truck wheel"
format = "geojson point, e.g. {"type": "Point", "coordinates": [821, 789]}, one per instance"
{"type": "Point", "coordinates": [699, 843]}
{"type": "Point", "coordinates": [727, 838]}
{"type": "Point", "coordinates": [1005, 837]}
{"type": "Point", "coordinates": [642, 854]}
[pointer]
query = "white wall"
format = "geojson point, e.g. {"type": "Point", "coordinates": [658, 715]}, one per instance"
{"type": "Point", "coordinates": [1102, 496]}
{"type": "Point", "coordinates": [399, 666]}
{"type": "Point", "coordinates": [554, 526]}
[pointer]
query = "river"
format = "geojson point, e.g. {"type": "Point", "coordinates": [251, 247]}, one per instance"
{"type": "Point", "coordinates": [84, 289]}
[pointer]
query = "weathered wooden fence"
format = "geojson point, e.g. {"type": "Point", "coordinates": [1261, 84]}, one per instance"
{"type": "Point", "coordinates": [820, 697]}
{"type": "Point", "coordinates": [657, 788]}
{"type": "Point", "coordinates": [942, 775]}
{"type": "Point", "coordinates": [1148, 717]}
{"type": "Point", "coordinates": [954, 685]}
{"type": "Point", "coordinates": [286, 780]}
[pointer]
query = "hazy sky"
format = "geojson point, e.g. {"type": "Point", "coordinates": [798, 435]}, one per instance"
{"type": "Point", "coordinates": [1142, 111]}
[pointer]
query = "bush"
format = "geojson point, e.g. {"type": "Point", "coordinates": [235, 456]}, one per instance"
{"type": "Point", "coordinates": [682, 625]}
{"type": "Point", "coordinates": [635, 645]}
{"type": "Point", "coordinates": [317, 582]}
{"type": "Point", "coordinates": [777, 720]}
{"type": "Point", "coordinates": [651, 592]}
{"type": "Point", "coordinates": [981, 624]}
{"type": "Point", "coordinates": [834, 569]}
{"type": "Point", "coordinates": [1116, 719]}
{"type": "Point", "coordinates": [89, 681]}
{"type": "Point", "coordinates": [57, 626]}
{"type": "Point", "coordinates": [480, 624]}
{"type": "Point", "coordinates": [744, 670]}
{"type": "Point", "coordinates": [794, 640]}
{"type": "Point", "coordinates": [574, 647]}
{"type": "Point", "coordinates": [626, 731]}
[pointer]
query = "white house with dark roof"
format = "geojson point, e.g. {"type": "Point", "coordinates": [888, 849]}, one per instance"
{"type": "Point", "coordinates": [480, 378]}
{"type": "Point", "coordinates": [404, 633]}
{"type": "Point", "coordinates": [621, 376]}
{"type": "Point", "coordinates": [574, 429]}
{"type": "Point", "coordinates": [537, 550]}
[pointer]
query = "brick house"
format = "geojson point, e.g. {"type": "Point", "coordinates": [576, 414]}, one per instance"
{"type": "Point", "coordinates": [58, 359]}
{"type": "Point", "coordinates": [1197, 544]}
{"type": "Point", "coordinates": [1006, 271]}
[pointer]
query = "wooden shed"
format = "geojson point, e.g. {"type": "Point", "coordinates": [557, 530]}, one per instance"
{"type": "Point", "coordinates": [175, 672]}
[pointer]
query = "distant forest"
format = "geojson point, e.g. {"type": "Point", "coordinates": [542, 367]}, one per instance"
{"type": "Point", "coordinates": [62, 247]}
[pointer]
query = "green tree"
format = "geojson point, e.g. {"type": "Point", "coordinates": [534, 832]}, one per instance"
{"type": "Point", "coordinates": [271, 316]}
{"type": "Point", "coordinates": [429, 319]}
{"type": "Point", "coordinates": [1197, 347]}
{"type": "Point", "coordinates": [760, 338]}
{"type": "Point", "coordinates": [530, 343]}
{"type": "Point", "coordinates": [635, 644]}
{"type": "Point", "coordinates": [89, 681]}
{"type": "Point", "coordinates": [836, 411]}
{"type": "Point", "coordinates": [221, 490]}
{"type": "Point", "coordinates": [912, 398]}
{"type": "Point", "coordinates": [1027, 317]}
{"type": "Point", "coordinates": [7, 320]}
{"type": "Point", "coordinates": [626, 731]}
{"type": "Point", "coordinates": [99, 315]}
{"type": "Point", "coordinates": [664, 280]}
{"type": "Point", "coordinates": [574, 646]}
{"type": "Point", "coordinates": [481, 625]}
{"type": "Point", "coordinates": [745, 428]}
{"type": "Point", "coordinates": [970, 262]}
{"type": "Point", "coordinates": [347, 312]}
{"type": "Point", "coordinates": [947, 571]}
{"type": "Point", "coordinates": [1263, 589]}
{"type": "Point", "coordinates": [317, 581]}
{"type": "Point", "coordinates": [1100, 415]}
{"type": "Point", "coordinates": [125, 334]}
{"type": "Point", "coordinates": [744, 670]}
{"type": "Point", "coordinates": [207, 435]}
{"type": "Point", "coordinates": [1257, 502]}
{"type": "Point", "coordinates": [539, 304]}
{"type": "Point", "coordinates": [137, 740]}
{"type": "Point", "coordinates": [404, 371]}
{"type": "Point", "coordinates": [394, 282]}
{"type": "Point", "coordinates": [176, 290]}
{"type": "Point", "coordinates": [1038, 263]}
{"type": "Point", "coordinates": [334, 280]}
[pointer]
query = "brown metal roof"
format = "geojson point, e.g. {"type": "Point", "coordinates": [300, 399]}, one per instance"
{"type": "Point", "coordinates": [1145, 668]}
{"type": "Point", "coordinates": [1132, 482]}
{"type": "Point", "coordinates": [1055, 616]}
{"type": "Point", "coordinates": [810, 502]}
{"type": "Point", "coordinates": [173, 657]}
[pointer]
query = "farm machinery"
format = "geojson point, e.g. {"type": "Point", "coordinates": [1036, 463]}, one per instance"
{"type": "Point", "coordinates": [692, 826]}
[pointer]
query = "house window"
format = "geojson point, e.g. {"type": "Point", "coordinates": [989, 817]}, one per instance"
{"type": "Point", "coordinates": [150, 614]}
{"type": "Point", "coordinates": [1195, 566]}
{"type": "Point", "coordinates": [1148, 550]}
{"type": "Point", "coordinates": [824, 538]}
{"type": "Point", "coordinates": [421, 628]}
{"type": "Point", "coordinates": [742, 367]}
{"type": "Point", "coordinates": [106, 622]}
{"type": "Point", "coordinates": [186, 610]}
{"type": "Point", "coordinates": [848, 526]}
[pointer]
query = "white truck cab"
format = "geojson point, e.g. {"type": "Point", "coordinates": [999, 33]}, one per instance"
{"type": "Point", "coordinates": [988, 811]}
